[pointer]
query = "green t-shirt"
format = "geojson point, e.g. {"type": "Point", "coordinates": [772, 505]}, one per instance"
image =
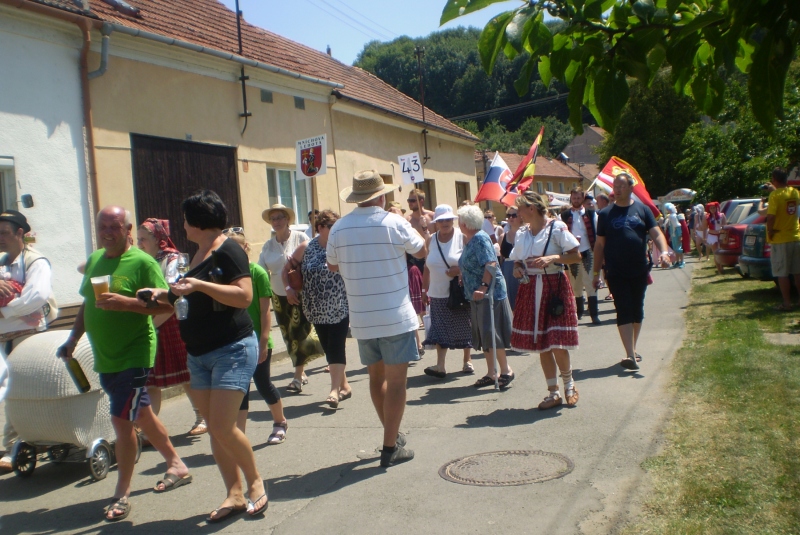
{"type": "Point", "coordinates": [121, 340]}
{"type": "Point", "coordinates": [783, 205]}
{"type": "Point", "coordinates": [261, 288]}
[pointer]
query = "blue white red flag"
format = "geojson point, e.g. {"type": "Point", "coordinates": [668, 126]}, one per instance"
{"type": "Point", "coordinates": [497, 179]}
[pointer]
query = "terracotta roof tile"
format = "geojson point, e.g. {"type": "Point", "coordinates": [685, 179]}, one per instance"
{"type": "Point", "coordinates": [209, 23]}
{"type": "Point", "coordinates": [545, 168]}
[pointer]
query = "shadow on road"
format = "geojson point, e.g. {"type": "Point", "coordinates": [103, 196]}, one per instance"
{"type": "Point", "coordinates": [446, 396]}
{"type": "Point", "coordinates": [511, 417]}
{"type": "Point", "coordinates": [323, 481]}
{"type": "Point", "coordinates": [615, 370]}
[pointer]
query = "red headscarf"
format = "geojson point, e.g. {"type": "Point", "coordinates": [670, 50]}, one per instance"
{"type": "Point", "coordinates": [715, 218]}
{"type": "Point", "coordinates": [160, 229]}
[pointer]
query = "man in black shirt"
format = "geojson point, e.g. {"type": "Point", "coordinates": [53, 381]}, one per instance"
{"type": "Point", "coordinates": [622, 230]}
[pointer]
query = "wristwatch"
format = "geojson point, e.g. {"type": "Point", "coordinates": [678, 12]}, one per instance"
{"type": "Point", "coordinates": [485, 284]}
{"type": "Point", "coordinates": [288, 288]}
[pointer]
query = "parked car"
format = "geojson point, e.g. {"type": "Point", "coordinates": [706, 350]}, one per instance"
{"type": "Point", "coordinates": [732, 236]}
{"type": "Point", "coordinates": [755, 258]}
{"type": "Point", "coordinates": [737, 210]}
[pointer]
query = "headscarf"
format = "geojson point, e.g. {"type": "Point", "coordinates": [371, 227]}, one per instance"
{"type": "Point", "coordinates": [160, 229]}
{"type": "Point", "coordinates": [672, 217]}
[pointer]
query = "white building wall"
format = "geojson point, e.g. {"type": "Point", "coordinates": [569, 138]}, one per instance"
{"type": "Point", "coordinates": [41, 129]}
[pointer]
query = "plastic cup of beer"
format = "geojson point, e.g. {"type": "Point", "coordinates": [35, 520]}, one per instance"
{"type": "Point", "coordinates": [101, 285]}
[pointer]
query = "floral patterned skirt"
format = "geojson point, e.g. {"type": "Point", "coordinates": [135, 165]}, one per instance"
{"type": "Point", "coordinates": [541, 332]}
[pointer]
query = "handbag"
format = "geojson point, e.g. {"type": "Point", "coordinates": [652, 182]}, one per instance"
{"type": "Point", "coordinates": [456, 299]}
{"type": "Point", "coordinates": [555, 306]}
{"type": "Point", "coordinates": [295, 276]}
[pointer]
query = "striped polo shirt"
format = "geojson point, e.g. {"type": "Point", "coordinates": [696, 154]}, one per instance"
{"type": "Point", "coordinates": [369, 245]}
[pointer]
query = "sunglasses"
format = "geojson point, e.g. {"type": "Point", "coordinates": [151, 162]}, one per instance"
{"type": "Point", "coordinates": [489, 217]}
{"type": "Point", "coordinates": [233, 230]}
{"type": "Point", "coordinates": [411, 200]}
{"type": "Point", "coordinates": [511, 216]}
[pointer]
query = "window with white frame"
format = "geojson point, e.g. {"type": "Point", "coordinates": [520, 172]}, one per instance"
{"type": "Point", "coordinates": [8, 186]}
{"type": "Point", "coordinates": [285, 188]}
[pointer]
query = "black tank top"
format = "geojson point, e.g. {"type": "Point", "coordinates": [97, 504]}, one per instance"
{"type": "Point", "coordinates": [505, 247]}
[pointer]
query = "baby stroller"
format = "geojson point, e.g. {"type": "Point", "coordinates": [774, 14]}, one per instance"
{"type": "Point", "coordinates": [50, 415]}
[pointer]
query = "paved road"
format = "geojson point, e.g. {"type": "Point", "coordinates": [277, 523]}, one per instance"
{"type": "Point", "coordinates": [326, 479]}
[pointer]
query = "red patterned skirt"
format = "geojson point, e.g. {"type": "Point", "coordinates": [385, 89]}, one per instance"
{"type": "Point", "coordinates": [415, 289]}
{"type": "Point", "coordinates": [170, 368]}
{"type": "Point", "coordinates": [551, 332]}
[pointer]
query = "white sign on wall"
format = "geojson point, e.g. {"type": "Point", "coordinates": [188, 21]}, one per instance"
{"type": "Point", "coordinates": [411, 168]}
{"type": "Point", "coordinates": [311, 155]}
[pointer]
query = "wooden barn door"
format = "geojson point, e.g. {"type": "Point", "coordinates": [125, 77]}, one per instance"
{"type": "Point", "coordinates": [166, 171]}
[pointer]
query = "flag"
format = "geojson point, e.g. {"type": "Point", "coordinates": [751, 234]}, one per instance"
{"type": "Point", "coordinates": [497, 178]}
{"type": "Point", "coordinates": [523, 176]}
{"type": "Point", "coordinates": [616, 166]}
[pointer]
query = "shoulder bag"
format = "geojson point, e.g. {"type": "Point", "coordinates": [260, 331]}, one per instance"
{"type": "Point", "coordinates": [555, 306]}
{"type": "Point", "coordinates": [456, 299]}
{"type": "Point", "coordinates": [295, 276]}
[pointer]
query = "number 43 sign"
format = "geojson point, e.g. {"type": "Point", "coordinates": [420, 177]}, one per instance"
{"type": "Point", "coordinates": [411, 168]}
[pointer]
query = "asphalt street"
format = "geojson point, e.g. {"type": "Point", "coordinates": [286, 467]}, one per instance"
{"type": "Point", "coordinates": [326, 477]}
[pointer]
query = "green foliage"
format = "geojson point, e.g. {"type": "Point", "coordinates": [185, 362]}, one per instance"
{"type": "Point", "coordinates": [732, 156]}
{"type": "Point", "coordinates": [603, 43]}
{"type": "Point", "coordinates": [455, 81]}
{"type": "Point", "coordinates": [494, 136]}
{"type": "Point", "coordinates": [649, 134]}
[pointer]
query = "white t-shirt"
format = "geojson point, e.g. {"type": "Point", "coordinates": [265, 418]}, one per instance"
{"type": "Point", "coordinates": [274, 256]}
{"type": "Point", "coordinates": [579, 228]}
{"type": "Point", "coordinates": [439, 286]}
{"type": "Point", "coordinates": [369, 245]}
{"type": "Point", "coordinates": [526, 245]}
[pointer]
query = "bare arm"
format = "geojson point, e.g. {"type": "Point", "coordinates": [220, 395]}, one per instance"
{"type": "Point", "coordinates": [599, 258]}
{"type": "Point", "coordinates": [237, 294]}
{"type": "Point", "coordinates": [121, 303]}
{"type": "Point", "coordinates": [770, 226]}
{"type": "Point", "coordinates": [661, 243]}
{"type": "Point", "coordinates": [78, 328]}
{"type": "Point", "coordinates": [266, 326]}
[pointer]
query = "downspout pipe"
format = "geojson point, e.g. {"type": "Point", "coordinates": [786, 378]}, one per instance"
{"type": "Point", "coordinates": [106, 32]}
{"type": "Point", "coordinates": [222, 55]}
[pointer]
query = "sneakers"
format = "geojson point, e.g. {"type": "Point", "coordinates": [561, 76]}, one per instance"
{"type": "Point", "coordinates": [396, 456]}
{"type": "Point", "coordinates": [630, 363]}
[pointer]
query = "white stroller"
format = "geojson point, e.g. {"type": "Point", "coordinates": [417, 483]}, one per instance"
{"type": "Point", "coordinates": [50, 415]}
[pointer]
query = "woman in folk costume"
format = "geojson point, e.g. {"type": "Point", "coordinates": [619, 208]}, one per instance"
{"type": "Point", "coordinates": [715, 220]}
{"type": "Point", "coordinates": [540, 251]}
{"type": "Point", "coordinates": [170, 367]}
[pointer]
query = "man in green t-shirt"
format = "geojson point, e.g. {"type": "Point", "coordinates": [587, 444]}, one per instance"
{"type": "Point", "coordinates": [783, 234]}
{"type": "Point", "coordinates": [120, 329]}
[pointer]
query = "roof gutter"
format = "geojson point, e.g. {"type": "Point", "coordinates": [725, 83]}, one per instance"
{"type": "Point", "coordinates": [220, 54]}
{"type": "Point", "coordinates": [339, 95]}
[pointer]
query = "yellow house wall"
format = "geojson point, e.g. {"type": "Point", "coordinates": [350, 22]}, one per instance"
{"type": "Point", "coordinates": [143, 98]}
{"type": "Point", "coordinates": [365, 144]}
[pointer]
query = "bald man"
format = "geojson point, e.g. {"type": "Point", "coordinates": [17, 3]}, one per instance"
{"type": "Point", "coordinates": [120, 329]}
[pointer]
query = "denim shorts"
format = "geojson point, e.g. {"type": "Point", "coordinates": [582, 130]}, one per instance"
{"type": "Point", "coordinates": [127, 392]}
{"type": "Point", "coordinates": [397, 349]}
{"type": "Point", "coordinates": [228, 368]}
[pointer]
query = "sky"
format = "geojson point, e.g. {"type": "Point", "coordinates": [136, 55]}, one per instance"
{"type": "Point", "coordinates": [347, 25]}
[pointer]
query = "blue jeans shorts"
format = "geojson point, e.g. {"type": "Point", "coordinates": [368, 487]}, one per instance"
{"type": "Point", "coordinates": [397, 349]}
{"type": "Point", "coordinates": [228, 368]}
{"type": "Point", "coordinates": [126, 392]}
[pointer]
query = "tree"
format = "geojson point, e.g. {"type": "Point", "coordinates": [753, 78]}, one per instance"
{"type": "Point", "coordinates": [732, 156]}
{"type": "Point", "coordinates": [495, 136]}
{"type": "Point", "coordinates": [604, 42]}
{"type": "Point", "coordinates": [650, 132]}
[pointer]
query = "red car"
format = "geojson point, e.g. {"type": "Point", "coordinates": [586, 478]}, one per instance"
{"type": "Point", "coordinates": [731, 238]}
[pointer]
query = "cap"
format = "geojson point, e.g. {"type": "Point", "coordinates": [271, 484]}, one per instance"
{"type": "Point", "coordinates": [17, 218]}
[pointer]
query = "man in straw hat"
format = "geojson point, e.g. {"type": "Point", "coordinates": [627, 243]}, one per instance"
{"type": "Point", "coordinates": [368, 246]}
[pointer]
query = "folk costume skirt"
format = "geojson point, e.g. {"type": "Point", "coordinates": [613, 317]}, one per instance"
{"type": "Point", "coordinates": [534, 329]}
{"type": "Point", "coordinates": [415, 289]}
{"type": "Point", "coordinates": [170, 368]}
{"type": "Point", "coordinates": [302, 342]}
{"type": "Point", "coordinates": [450, 329]}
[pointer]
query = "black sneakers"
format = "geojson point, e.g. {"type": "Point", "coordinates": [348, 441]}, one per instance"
{"type": "Point", "coordinates": [396, 456]}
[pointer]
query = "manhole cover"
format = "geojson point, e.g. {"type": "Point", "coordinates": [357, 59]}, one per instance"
{"type": "Point", "coordinates": [506, 468]}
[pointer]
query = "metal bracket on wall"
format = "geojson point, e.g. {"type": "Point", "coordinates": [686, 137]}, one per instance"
{"type": "Point", "coordinates": [243, 78]}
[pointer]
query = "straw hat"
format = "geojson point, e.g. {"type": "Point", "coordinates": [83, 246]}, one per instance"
{"type": "Point", "coordinates": [266, 214]}
{"type": "Point", "coordinates": [367, 185]}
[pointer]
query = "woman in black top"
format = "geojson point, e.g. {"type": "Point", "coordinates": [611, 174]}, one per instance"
{"type": "Point", "coordinates": [223, 350]}
{"type": "Point", "coordinates": [506, 245]}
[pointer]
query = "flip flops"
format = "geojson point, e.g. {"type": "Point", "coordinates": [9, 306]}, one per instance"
{"type": "Point", "coordinates": [231, 512]}
{"type": "Point", "coordinates": [251, 506]}
{"type": "Point", "coordinates": [171, 481]}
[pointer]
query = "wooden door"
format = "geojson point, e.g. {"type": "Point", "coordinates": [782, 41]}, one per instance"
{"type": "Point", "coordinates": [166, 171]}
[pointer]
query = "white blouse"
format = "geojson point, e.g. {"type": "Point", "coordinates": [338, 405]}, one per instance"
{"type": "Point", "coordinates": [274, 256]}
{"type": "Point", "coordinates": [526, 245]}
{"type": "Point", "coordinates": [439, 287]}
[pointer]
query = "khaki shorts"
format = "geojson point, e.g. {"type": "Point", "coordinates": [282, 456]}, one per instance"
{"type": "Point", "coordinates": [785, 259]}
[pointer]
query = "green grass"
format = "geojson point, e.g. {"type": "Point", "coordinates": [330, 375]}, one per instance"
{"type": "Point", "coordinates": [732, 460]}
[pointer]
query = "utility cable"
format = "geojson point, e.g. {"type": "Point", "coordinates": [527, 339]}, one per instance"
{"type": "Point", "coordinates": [512, 107]}
{"type": "Point", "coordinates": [343, 21]}
{"type": "Point", "coordinates": [365, 17]}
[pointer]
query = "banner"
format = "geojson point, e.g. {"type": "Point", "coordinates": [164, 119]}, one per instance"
{"type": "Point", "coordinates": [497, 178]}
{"type": "Point", "coordinates": [311, 156]}
{"type": "Point", "coordinates": [678, 195]}
{"type": "Point", "coordinates": [615, 166]}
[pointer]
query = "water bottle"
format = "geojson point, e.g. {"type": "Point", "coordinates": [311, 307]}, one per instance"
{"type": "Point", "coordinates": [524, 279]}
{"type": "Point", "coordinates": [78, 377]}
{"type": "Point", "coordinates": [181, 307]}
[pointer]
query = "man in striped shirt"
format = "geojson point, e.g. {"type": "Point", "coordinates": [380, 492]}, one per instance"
{"type": "Point", "coordinates": [368, 248]}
